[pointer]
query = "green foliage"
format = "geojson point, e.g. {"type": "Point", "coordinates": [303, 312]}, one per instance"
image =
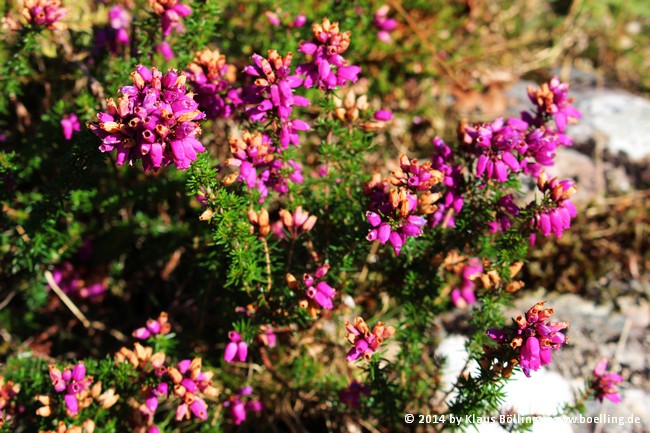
{"type": "Point", "coordinates": [185, 241]}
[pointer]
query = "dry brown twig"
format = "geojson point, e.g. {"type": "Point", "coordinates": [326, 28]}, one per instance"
{"type": "Point", "coordinates": [77, 312]}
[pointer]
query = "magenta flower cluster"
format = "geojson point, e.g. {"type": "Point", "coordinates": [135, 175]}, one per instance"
{"type": "Point", "coordinates": [272, 97]}
{"type": "Point", "coordinates": [555, 213]}
{"type": "Point", "coordinates": [241, 403]}
{"type": "Point", "coordinates": [70, 280]}
{"type": "Point", "coordinates": [78, 279]}
{"type": "Point", "coordinates": [70, 124]}
{"type": "Point", "coordinates": [170, 12]}
{"type": "Point", "coordinates": [526, 143]}
{"type": "Point", "coordinates": [72, 382]}
{"type": "Point", "coordinates": [159, 326]}
{"type": "Point", "coordinates": [496, 151]}
{"type": "Point", "coordinates": [328, 68]}
{"type": "Point", "coordinates": [315, 293]}
{"type": "Point", "coordinates": [604, 384]}
{"type": "Point", "coordinates": [260, 165]}
{"type": "Point", "coordinates": [317, 289]}
{"type": "Point", "coordinates": [44, 13]}
{"type": "Point", "coordinates": [534, 338]}
{"type": "Point", "coordinates": [212, 79]}
{"type": "Point", "coordinates": [395, 214]}
{"type": "Point", "coordinates": [365, 343]}
{"type": "Point", "coordinates": [189, 384]}
{"type": "Point", "coordinates": [383, 24]}
{"type": "Point", "coordinates": [115, 34]}
{"type": "Point", "coordinates": [552, 101]}
{"type": "Point", "coordinates": [153, 121]}
{"type": "Point", "coordinates": [452, 202]}
{"type": "Point", "coordinates": [351, 395]}
{"type": "Point", "coordinates": [462, 293]}
{"type": "Point", "coordinates": [236, 348]}
{"type": "Point", "coordinates": [494, 144]}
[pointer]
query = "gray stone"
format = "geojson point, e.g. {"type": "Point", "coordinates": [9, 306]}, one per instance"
{"type": "Point", "coordinates": [622, 117]}
{"type": "Point", "coordinates": [571, 164]}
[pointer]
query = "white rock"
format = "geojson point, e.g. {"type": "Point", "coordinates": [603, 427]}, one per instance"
{"type": "Point", "coordinates": [621, 116]}
{"type": "Point", "coordinates": [544, 393]}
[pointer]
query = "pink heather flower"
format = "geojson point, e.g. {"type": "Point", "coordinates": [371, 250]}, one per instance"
{"type": "Point", "coordinates": [260, 165]}
{"type": "Point", "coordinates": [554, 215]}
{"type": "Point", "coordinates": [190, 383]}
{"type": "Point", "coordinates": [384, 24]}
{"type": "Point", "coordinates": [506, 208]}
{"type": "Point", "coordinates": [494, 144]}
{"type": "Point", "coordinates": [463, 293]}
{"type": "Point", "coordinates": [552, 101]}
{"type": "Point", "coordinates": [171, 12]}
{"type": "Point", "coordinates": [273, 18]}
{"type": "Point", "coordinates": [392, 212]}
{"type": "Point", "coordinates": [300, 21]}
{"type": "Point", "coordinates": [604, 384]}
{"type": "Point", "coordinates": [365, 343]}
{"type": "Point", "coordinates": [532, 337]}
{"type": "Point", "coordinates": [165, 50]}
{"type": "Point", "coordinates": [69, 279]}
{"type": "Point", "coordinates": [236, 348]}
{"type": "Point", "coordinates": [213, 81]}
{"type": "Point", "coordinates": [72, 382]}
{"type": "Point", "coordinates": [160, 326]}
{"type": "Point", "coordinates": [70, 124]}
{"type": "Point", "coordinates": [8, 407]}
{"type": "Point", "coordinates": [272, 91]}
{"type": "Point", "coordinates": [351, 395]}
{"type": "Point", "coordinates": [383, 115]}
{"type": "Point", "coordinates": [267, 336]}
{"type": "Point", "coordinates": [153, 121]}
{"type": "Point", "coordinates": [44, 13]}
{"type": "Point", "coordinates": [240, 403]}
{"type": "Point", "coordinates": [319, 294]}
{"type": "Point", "coordinates": [297, 223]}
{"type": "Point", "coordinates": [115, 34]}
{"type": "Point", "coordinates": [452, 203]}
{"type": "Point", "coordinates": [328, 68]}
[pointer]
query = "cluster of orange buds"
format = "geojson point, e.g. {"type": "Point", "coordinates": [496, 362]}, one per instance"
{"type": "Point", "coordinates": [44, 13]}
{"type": "Point", "coordinates": [143, 359]}
{"type": "Point", "coordinates": [261, 221]}
{"type": "Point", "coordinates": [297, 223]}
{"type": "Point", "coordinates": [413, 175]}
{"type": "Point", "coordinates": [212, 64]}
{"type": "Point", "coordinates": [558, 190]}
{"type": "Point", "coordinates": [154, 327]}
{"type": "Point", "coordinates": [365, 342]}
{"type": "Point", "coordinates": [83, 399]}
{"type": "Point", "coordinates": [329, 32]}
{"type": "Point", "coordinates": [492, 280]}
{"type": "Point", "coordinates": [254, 143]}
{"type": "Point", "coordinates": [8, 390]}
{"type": "Point", "coordinates": [274, 61]}
{"type": "Point", "coordinates": [348, 109]}
{"type": "Point", "coordinates": [189, 381]}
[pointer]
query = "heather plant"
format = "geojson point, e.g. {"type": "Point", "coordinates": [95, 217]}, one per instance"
{"type": "Point", "coordinates": [167, 164]}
